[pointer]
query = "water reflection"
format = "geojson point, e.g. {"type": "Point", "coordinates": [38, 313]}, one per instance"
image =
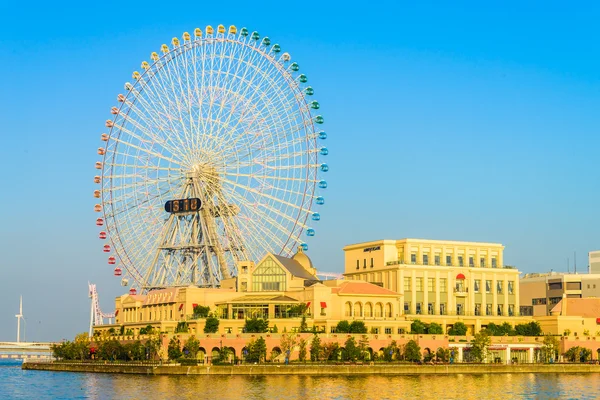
{"type": "Point", "coordinates": [41, 384]}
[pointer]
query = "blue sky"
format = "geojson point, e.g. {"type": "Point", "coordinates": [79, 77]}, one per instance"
{"type": "Point", "coordinates": [460, 122]}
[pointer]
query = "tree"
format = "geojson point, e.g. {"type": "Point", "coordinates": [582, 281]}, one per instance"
{"type": "Point", "coordinates": [302, 350]}
{"type": "Point", "coordinates": [135, 351]}
{"type": "Point", "coordinates": [111, 350]}
{"type": "Point", "coordinates": [358, 327]}
{"type": "Point", "coordinates": [152, 346]}
{"type": "Point", "coordinates": [391, 351]}
{"type": "Point", "coordinates": [182, 327]}
{"type": "Point", "coordinates": [434, 329]}
{"type": "Point", "coordinates": [257, 350]}
{"type": "Point", "coordinates": [458, 329]}
{"type": "Point", "coordinates": [287, 343]}
{"type": "Point", "coordinates": [412, 352]}
{"type": "Point", "coordinates": [224, 353]}
{"type": "Point", "coordinates": [352, 352]}
{"type": "Point", "coordinates": [578, 354]}
{"type": "Point", "coordinates": [315, 349]}
{"type": "Point", "coordinates": [363, 347]}
{"type": "Point", "coordinates": [192, 345]}
{"type": "Point", "coordinates": [343, 327]}
{"type": "Point", "coordinates": [297, 310]}
{"type": "Point", "coordinates": [531, 329]}
{"type": "Point", "coordinates": [418, 327]}
{"type": "Point", "coordinates": [330, 351]}
{"type": "Point", "coordinates": [211, 325]}
{"type": "Point", "coordinates": [443, 354]}
{"type": "Point", "coordinates": [479, 346]}
{"type": "Point", "coordinates": [550, 348]}
{"type": "Point", "coordinates": [174, 349]}
{"type": "Point", "coordinates": [303, 324]}
{"type": "Point", "coordinates": [81, 346]}
{"type": "Point", "coordinates": [148, 330]}
{"type": "Point", "coordinates": [201, 311]}
{"type": "Point", "coordinates": [256, 325]}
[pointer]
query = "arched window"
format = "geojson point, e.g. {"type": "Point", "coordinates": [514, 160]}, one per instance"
{"type": "Point", "coordinates": [368, 310]}
{"type": "Point", "coordinates": [358, 309]}
{"type": "Point", "coordinates": [388, 310]}
{"type": "Point", "coordinates": [348, 312]}
{"type": "Point", "coordinates": [378, 310]}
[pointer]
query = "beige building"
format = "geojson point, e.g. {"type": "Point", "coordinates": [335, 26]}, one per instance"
{"type": "Point", "coordinates": [594, 262]}
{"type": "Point", "coordinates": [440, 280]}
{"type": "Point", "coordinates": [540, 293]}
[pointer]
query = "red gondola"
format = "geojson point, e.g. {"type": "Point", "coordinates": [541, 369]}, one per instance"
{"type": "Point", "coordinates": [97, 194]}
{"type": "Point", "coordinates": [98, 165]}
{"type": "Point", "coordinates": [106, 248]}
{"type": "Point", "coordinates": [112, 260]}
{"type": "Point", "coordinates": [118, 271]}
{"type": "Point", "coordinates": [132, 291]}
{"type": "Point", "coordinates": [97, 207]}
{"type": "Point", "coordinates": [102, 235]}
{"type": "Point", "coordinates": [99, 222]}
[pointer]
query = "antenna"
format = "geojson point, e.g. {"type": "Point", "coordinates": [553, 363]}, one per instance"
{"type": "Point", "coordinates": [575, 260]}
{"type": "Point", "coordinates": [568, 269]}
{"type": "Point", "coordinates": [19, 317]}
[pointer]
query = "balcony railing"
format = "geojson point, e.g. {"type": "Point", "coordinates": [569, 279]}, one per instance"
{"type": "Point", "coordinates": [421, 264]}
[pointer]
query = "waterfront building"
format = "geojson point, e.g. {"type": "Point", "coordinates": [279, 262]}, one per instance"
{"type": "Point", "coordinates": [574, 318]}
{"type": "Point", "coordinates": [594, 262]}
{"type": "Point", "coordinates": [540, 293]}
{"type": "Point", "coordinates": [441, 281]}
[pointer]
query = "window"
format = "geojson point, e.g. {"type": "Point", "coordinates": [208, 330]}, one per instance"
{"type": "Point", "coordinates": [443, 285]}
{"type": "Point", "coordinates": [357, 264]}
{"type": "Point", "coordinates": [407, 284]}
{"type": "Point", "coordinates": [400, 331]}
{"type": "Point", "coordinates": [488, 309]}
{"type": "Point", "coordinates": [437, 259]}
{"type": "Point", "coordinates": [494, 262]}
{"type": "Point", "coordinates": [418, 308]}
{"type": "Point", "coordinates": [588, 285]}
{"type": "Point", "coordinates": [443, 309]}
{"type": "Point", "coordinates": [482, 262]}
{"type": "Point", "coordinates": [511, 287]}
{"type": "Point", "coordinates": [244, 269]}
{"type": "Point", "coordinates": [526, 311]}
{"type": "Point", "coordinates": [538, 302]}
{"type": "Point", "coordinates": [371, 263]}
{"type": "Point", "coordinates": [419, 284]}
{"type": "Point", "coordinates": [375, 330]}
{"type": "Point", "coordinates": [555, 286]}
{"type": "Point", "coordinates": [476, 285]}
{"type": "Point", "coordinates": [268, 277]}
{"type": "Point", "coordinates": [244, 286]}
{"type": "Point", "coordinates": [471, 262]}
{"type": "Point", "coordinates": [388, 331]}
{"type": "Point", "coordinates": [460, 309]}
{"type": "Point", "coordinates": [477, 309]}
{"type": "Point", "coordinates": [431, 284]}
{"type": "Point", "coordinates": [364, 263]}
{"type": "Point", "coordinates": [499, 287]}
{"type": "Point", "coordinates": [425, 259]}
{"type": "Point", "coordinates": [500, 309]}
{"type": "Point", "coordinates": [413, 258]}
{"type": "Point", "coordinates": [449, 260]}
{"type": "Point", "coordinates": [406, 308]}
{"type": "Point", "coordinates": [461, 262]}
{"type": "Point", "coordinates": [430, 308]}
{"type": "Point", "coordinates": [488, 287]}
{"type": "Point", "coordinates": [511, 310]}
{"type": "Point", "coordinates": [573, 286]}
{"type": "Point", "coordinates": [555, 300]}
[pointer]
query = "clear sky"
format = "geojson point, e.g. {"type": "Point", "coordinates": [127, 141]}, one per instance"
{"type": "Point", "coordinates": [459, 122]}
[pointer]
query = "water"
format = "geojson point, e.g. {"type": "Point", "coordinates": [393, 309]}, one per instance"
{"type": "Point", "coordinates": [18, 384]}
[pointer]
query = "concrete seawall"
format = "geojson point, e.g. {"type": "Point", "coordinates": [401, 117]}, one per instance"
{"type": "Point", "coordinates": [319, 370]}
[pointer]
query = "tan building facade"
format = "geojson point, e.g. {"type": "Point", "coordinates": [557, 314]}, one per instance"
{"type": "Point", "coordinates": [439, 278]}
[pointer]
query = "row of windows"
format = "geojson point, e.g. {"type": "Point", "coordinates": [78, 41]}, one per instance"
{"type": "Point", "coordinates": [364, 263]}
{"type": "Point", "coordinates": [459, 285]}
{"type": "Point", "coordinates": [460, 309]}
{"type": "Point", "coordinates": [460, 260]}
{"type": "Point", "coordinates": [538, 302]}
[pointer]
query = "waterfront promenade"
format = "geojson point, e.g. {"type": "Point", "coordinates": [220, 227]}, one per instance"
{"type": "Point", "coordinates": [310, 369]}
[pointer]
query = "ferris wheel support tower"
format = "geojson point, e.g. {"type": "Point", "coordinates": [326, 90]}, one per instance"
{"type": "Point", "coordinates": [96, 314]}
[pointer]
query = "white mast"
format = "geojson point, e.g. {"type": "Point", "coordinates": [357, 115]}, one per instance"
{"type": "Point", "coordinates": [19, 316]}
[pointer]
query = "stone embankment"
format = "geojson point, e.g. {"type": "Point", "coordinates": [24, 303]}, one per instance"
{"type": "Point", "coordinates": [379, 369]}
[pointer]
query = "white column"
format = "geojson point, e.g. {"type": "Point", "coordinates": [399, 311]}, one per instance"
{"type": "Point", "coordinates": [425, 293]}
{"type": "Point", "coordinates": [508, 354]}
{"type": "Point", "coordinates": [413, 297]}
{"type": "Point", "coordinates": [460, 354]}
{"type": "Point", "coordinates": [436, 307]}
{"type": "Point", "coordinates": [531, 355]}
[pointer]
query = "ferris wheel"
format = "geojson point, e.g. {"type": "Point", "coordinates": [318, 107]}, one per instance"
{"type": "Point", "coordinates": [211, 158]}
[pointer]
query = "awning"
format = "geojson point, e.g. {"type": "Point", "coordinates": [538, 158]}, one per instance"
{"type": "Point", "coordinates": [460, 276]}
{"type": "Point", "coordinates": [180, 307]}
{"type": "Point", "coordinates": [116, 313]}
{"type": "Point", "coordinates": [194, 305]}
{"type": "Point", "coordinates": [307, 304]}
{"type": "Point", "coordinates": [598, 320]}
{"type": "Point", "coordinates": [323, 304]}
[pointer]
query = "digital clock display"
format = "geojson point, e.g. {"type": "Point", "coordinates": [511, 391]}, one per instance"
{"type": "Point", "coordinates": [183, 206]}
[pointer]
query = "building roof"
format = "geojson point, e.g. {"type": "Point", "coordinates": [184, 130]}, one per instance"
{"type": "Point", "coordinates": [159, 296]}
{"type": "Point", "coordinates": [586, 308]}
{"type": "Point", "coordinates": [294, 268]}
{"type": "Point", "coordinates": [364, 288]}
{"type": "Point", "coordinates": [261, 298]}
{"type": "Point", "coordinates": [423, 241]}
